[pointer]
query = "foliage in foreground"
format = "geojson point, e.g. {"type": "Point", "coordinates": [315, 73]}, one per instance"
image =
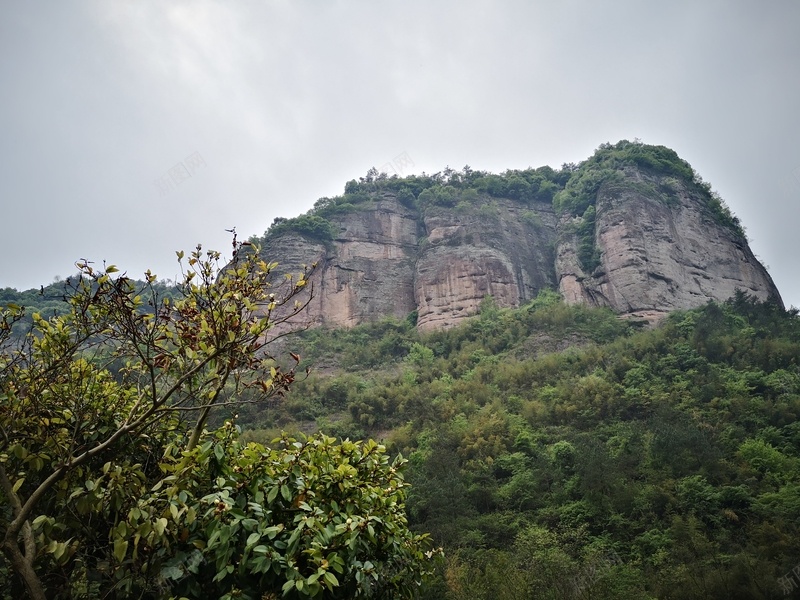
{"type": "Point", "coordinates": [111, 485]}
{"type": "Point", "coordinates": [306, 518]}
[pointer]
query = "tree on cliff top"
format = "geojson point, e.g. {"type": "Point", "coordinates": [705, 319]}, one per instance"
{"type": "Point", "coordinates": [110, 484]}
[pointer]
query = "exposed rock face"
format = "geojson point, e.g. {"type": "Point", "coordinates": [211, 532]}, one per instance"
{"type": "Point", "coordinates": [295, 254]}
{"type": "Point", "coordinates": [370, 272]}
{"type": "Point", "coordinates": [656, 252]}
{"type": "Point", "coordinates": [505, 251]}
{"type": "Point", "coordinates": [365, 273]}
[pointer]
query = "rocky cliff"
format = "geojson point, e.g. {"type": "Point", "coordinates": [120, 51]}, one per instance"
{"type": "Point", "coordinates": [657, 251]}
{"type": "Point", "coordinates": [463, 258]}
{"type": "Point", "coordinates": [625, 230]}
{"type": "Point", "coordinates": [365, 272]}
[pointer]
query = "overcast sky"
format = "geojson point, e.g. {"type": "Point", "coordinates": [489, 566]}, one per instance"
{"type": "Point", "coordinates": [131, 129]}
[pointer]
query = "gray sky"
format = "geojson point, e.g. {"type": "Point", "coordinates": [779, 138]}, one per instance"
{"type": "Point", "coordinates": [131, 129]}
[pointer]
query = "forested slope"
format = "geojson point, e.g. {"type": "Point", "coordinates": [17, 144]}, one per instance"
{"type": "Point", "coordinates": [560, 452]}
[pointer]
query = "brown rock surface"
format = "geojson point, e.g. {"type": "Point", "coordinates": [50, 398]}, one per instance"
{"type": "Point", "coordinates": [369, 272]}
{"type": "Point", "coordinates": [658, 253]}
{"type": "Point", "coordinates": [365, 273]}
{"type": "Point", "coordinates": [505, 250]}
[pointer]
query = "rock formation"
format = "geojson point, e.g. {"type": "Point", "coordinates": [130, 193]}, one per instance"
{"type": "Point", "coordinates": [464, 258]}
{"type": "Point", "coordinates": [658, 246]}
{"type": "Point", "coordinates": [657, 255]}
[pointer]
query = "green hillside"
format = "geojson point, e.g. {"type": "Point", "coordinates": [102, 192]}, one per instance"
{"type": "Point", "coordinates": [559, 452]}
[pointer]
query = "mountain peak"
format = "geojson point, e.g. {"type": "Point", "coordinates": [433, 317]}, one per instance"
{"type": "Point", "coordinates": [633, 228]}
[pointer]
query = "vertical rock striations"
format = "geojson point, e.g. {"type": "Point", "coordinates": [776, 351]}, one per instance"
{"type": "Point", "coordinates": [660, 247]}
{"type": "Point", "coordinates": [504, 250]}
{"type": "Point", "coordinates": [365, 272]}
{"type": "Point", "coordinates": [633, 229]}
{"type": "Point", "coordinates": [369, 272]}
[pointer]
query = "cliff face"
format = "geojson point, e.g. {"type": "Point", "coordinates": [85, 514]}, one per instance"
{"type": "Point", "coordinates": [505, 251]}
{"type": "Point", "coordinates": [657, 252]}
{"type": "Point", "coordinates": [365, 273]}
{"type": "Point", "coordinates": [388, 260]}
{"type": "Point", "coordinates": [370, 270]}
{"type": "Point", "coordinates": [649, 243]}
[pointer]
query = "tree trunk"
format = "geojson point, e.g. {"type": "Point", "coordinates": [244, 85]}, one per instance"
{"type": "Point", "coordinates": [22, 563]}
{"type": "Point", "coordinates": [24, 568]}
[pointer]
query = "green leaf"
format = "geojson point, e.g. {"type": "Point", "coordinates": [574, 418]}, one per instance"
{"type": "Point", "coordinates": [271, 532]}
{"type": "Point", "coordinates": [330, 580]}
{"type": "Point", "coordinates": [286, 493]}
{"type": "Point", "coordinates": [160, 525]}
{"type": "Point", "coordinates": [213, 539]}
{"type": "Point", "coordinates": [39, 520]}
{"type": "Point", "coordinates": [59, 550]}
{"type": "Point", "coordinates": [120, 549]}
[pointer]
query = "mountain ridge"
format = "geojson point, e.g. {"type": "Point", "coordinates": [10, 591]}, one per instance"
{"type": "Point", "coordinates": [633, 228]}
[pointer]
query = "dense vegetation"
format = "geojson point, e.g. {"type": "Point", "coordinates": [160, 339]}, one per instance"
{"type": "Point", "coordinates": [552, 448]}
{"type": "Point", "coordinates": [572, 190]}
{"type": "Point", "coordinates": [52, 300]}
{"type": "Point", "coordinates": [113, 485]}
{"type": "Point", "coordinates": [559, 452]}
